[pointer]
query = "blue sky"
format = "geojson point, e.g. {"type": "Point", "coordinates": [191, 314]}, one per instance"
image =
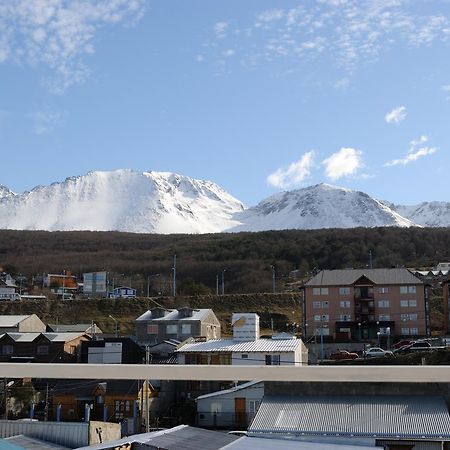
{"type": "Point", "coordinates": [256, 95]}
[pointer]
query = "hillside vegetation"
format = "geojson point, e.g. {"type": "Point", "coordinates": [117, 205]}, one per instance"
{"type": "Point", "coordinates": [280, 310]}
{"type": "Point", "coordinates": [247, 257]}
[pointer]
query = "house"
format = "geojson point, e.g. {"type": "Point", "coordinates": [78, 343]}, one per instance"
{"type": "Point", "coordinates": [108, 401]}
{"type": "Point", "coordinates": [246, 347]}
{"type": "Point", "coordinates": [62, 283]}
{"type": "Point", "coordinates": [8, 288]}
{"type": "Point", "coordinates": [88, 328]}
{"type": "Point", "coordinates": [121, 350]}
{"type": "Point", "coordinates": [160, 324]}
{"type": "Point", "coordinates": [362, 304]}
{"type": "Point", "coordinates": [20, 324]}
{"type": "Point", "coordinates": [41, 347]}
{"type": "Point", "coordinates": [230, 408]}
{"type": "Point", "coordinates": [123, 292]}
{"type": "Point", "coordinates": [389, 421]}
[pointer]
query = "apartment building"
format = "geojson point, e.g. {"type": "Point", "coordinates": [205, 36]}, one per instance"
{"type": "Point", "coordinates": [362, 304]}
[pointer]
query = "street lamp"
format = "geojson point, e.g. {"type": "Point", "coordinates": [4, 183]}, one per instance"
{"type": "Point", "coordinates": [359, 328]}
{"type": "Point", "coordinates": [116, 328]}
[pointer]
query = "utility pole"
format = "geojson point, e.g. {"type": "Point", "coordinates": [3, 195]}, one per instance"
{"type": "Point", "coordinates": [148, 286]}
{"type": "Point", "coordinates": [274, 287]}
{"type": "Point", "coordinates": [223, 281]}
{"type": "Point", "coordinates": [5, 387]}
{"type": "Point", "coordinates": [174, 269]}
{"type": "Point", "coordinates": [370, 260]}
{"type": "Point", "coordinates": [217, 284]}
{"type": "Point", "coordinates": [147, 409]}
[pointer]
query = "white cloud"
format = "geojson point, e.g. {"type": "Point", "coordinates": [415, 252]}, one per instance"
{"type": "Point", "coordinates": [294, 174]}
{"type": "Point", "coordinates": [446, 88]}
{"type": "Point", "coordinates": [397, 115]}
{"type": "Point", "coordinates": [46, 120]}
{"type": "Point", "coordinates": [344, 33]}
{"type": "Point", "coordinates": [220, 29]}
{"type": "Point", "coordinates": [57, 34]}
{"type": "Point", "coordinates": [414, 153]}
{"type": "Point", "coordinates": [199, 58]}
{"type": "Point", "coordinates": [343, 163]}
{"type": "Point", "coordinates": [228, 53]}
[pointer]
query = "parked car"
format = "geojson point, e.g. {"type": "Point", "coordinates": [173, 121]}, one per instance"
{"type": "Point", "coordinates": [343, 355]}
{"type": "Point", "coordinates": [377, 351]}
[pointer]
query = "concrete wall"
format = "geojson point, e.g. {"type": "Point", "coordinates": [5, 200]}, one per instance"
{"type": "Point", "coordinates": [107, 430]}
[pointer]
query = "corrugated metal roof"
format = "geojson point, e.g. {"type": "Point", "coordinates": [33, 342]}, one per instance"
{"type": "Point", "coordinates": [31, 336]}
{"type": "Point", "coordinates": [239, 387]}
{"type": "Point", "coordinates": [174, 314]}
{"type": "Point", "coordinates": [376, 416]}
{"type": "Point", "coordinates": [182, 437]}
{"type": "Point", "coordinates": [228, 345]}
{"type": "Point", "coordinates": [28, 443]}
{"type": "Point", "coordinates": [254, 443]}
{"type": "Point", "coordinates": [349, 276]}
{"type": "Point", "coordinates": [12, 321]}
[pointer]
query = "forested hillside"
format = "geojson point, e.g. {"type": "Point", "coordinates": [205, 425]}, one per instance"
{"type": "Point", "coordinates": [146, 258]}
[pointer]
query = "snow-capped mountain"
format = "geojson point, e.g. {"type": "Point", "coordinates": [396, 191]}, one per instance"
{"type": "Point", "coordinates": [319, 206]}
{"type": "Point", "coordinates": [427, 214]}
{"type": "Point", "coordinates": [5, 192]}
{"type": "Point", "coordinates": [123, 200]}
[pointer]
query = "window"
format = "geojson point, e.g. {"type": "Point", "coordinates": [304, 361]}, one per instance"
{"type": "Point", "coordinates": [383, 290]}
{"type": "Point", "coordinates": [272, 360]}
{"type": "Point", "coordinates": [406, 303]}
{"type": "Point", "coordinates": [413, 316]}
{"type": "Point", "coordinates": [244, 356]}
{"type": "Point", "coordinates": [320, 291]}
{"type": "Point", "coordinates": [324, 304]}
{"type": "Point", "coordinates": [404, 317]}
{"type": "Point", "coordinates": [7, 350]}
{"type": "Point", "coordinates": [43, 349]}
{"type": "Point", "coordinates": [414, 331]}
{"type": "Point", "coordinates": [384, 317]}
{"type": "Point", "coordinates": [405, 331]}
{"type": "Point", "coordinates": [253, 406]}
{"type": "Point", "coordinates": [407, 289]}
{"type": "Point", "coordinates": [186, 328]}
{"type": "Point", "coordinates": [171, 329]}
{"type": "Point", "coordinates": [321, 318]}
{"type": "Point", "coordinates": [383, 303]}
{"type": "Point", "coordinates": [322, 331]}
{"type": "Point", "coordinates": [344, 291]}
{"type": "Point", "coordinates": [345, 318]}
{"type": "Point", "coordinates": [216, 407]}
{"type": "Point", "coordinates": [317, 305]}
{"type": "Point", "coordinates": [152, 329]}
{"type": "Point", "coordinates": [344, 303]}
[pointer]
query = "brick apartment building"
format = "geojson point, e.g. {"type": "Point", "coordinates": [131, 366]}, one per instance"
{"type": "Point", "coordinates": [362, 304]}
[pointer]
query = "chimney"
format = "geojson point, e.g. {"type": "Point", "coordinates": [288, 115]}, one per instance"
{"type": "Point", "coordinates": [157, 313]}
{"type": "Point", "coordinates": [186, 312]}
{"type": "Point", "coordinates": [245, 326]}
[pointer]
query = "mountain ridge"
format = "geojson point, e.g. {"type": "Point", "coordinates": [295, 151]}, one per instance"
{"type": "Point", "coordinates": [166, 203]}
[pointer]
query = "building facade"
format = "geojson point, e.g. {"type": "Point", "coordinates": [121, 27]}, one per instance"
{"type": "Point", "coordinates": [364, 304]}
{"type": "Point", "coordinates": [159, 324]}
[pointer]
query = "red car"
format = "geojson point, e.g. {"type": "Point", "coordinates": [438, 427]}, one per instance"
{"type": "Point", "coordinates": [343, 354]}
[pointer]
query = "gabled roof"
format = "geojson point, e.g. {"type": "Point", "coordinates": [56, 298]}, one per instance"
{"type": "Point", "coordinates": [229, 345]}
{"type": "Point", "coordinates": [379, 416]}
{"type": "Point", "coordinates": [12, 321]}
{"type": "Point", "coordinates": [174, 314]}
{"type": "Point", "coordinates": [239, 387]}
{"type": "Point", "coordinates": [52, 337]}
{"type": "Point", "coordinates": [349, 276]}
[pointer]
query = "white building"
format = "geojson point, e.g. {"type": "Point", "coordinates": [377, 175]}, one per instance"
{"type": "Point", "coordinates": [230, 408]}
{"type": "Point", "coordinates": [246, 348]}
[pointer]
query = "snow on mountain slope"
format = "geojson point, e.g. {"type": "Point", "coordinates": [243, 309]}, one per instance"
{"type": "Point", "coordinates": [427, 214]}
{"type": "Point", "coordinates": [123, 200]}
{"type": "Point", "coordinates": [320, 206]}
{"type": "Point", "coordinates": [5, 192]}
